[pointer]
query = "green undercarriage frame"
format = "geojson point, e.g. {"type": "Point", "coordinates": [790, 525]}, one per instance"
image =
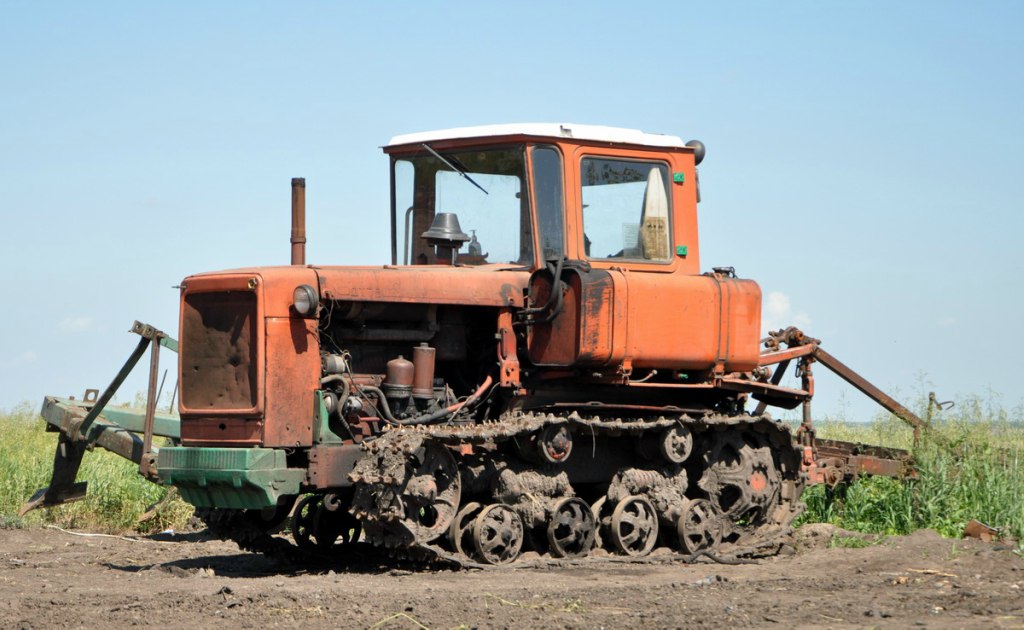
{"type": "Point", "coordinates": [241, 478]}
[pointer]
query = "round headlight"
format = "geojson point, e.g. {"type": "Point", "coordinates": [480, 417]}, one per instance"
{"type": "Point", "coordinates": [305, 300]}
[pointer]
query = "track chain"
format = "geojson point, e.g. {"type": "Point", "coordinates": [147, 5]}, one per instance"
{"type": "Point", "coordinates": [234, 525]}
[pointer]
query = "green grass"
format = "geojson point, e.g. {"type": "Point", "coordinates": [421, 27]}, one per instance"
{"type": "Point", "coordinates": [849, 542]}
{"type": "Point", "coordinates": [970, 467]}
{"type": "Point", "coordinates": [117, 495]}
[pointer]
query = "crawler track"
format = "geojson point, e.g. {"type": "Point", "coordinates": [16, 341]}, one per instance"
{"type": "Point", "coordinates": [723, 487]}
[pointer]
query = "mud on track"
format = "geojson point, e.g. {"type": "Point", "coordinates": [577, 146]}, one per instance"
{"type": "Point", "coordinates": [49, 578]}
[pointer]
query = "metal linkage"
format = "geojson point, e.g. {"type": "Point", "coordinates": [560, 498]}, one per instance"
{"type": "Point", "coordinates": [829, 461]}
{"type": "Point", "coordinates": [81, 426]}
{"type": "Point", "coordinates": [809, 349]}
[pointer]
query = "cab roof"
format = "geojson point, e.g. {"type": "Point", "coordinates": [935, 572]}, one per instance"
{"type": "Point", "coordinates": [597, 133]}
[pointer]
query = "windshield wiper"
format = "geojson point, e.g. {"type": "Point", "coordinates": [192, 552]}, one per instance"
{"type": "Point", "coordinates": [457, 169]}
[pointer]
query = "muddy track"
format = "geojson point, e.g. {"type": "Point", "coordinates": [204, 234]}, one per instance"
{"type": "Point", "coordinates": [49, 578]}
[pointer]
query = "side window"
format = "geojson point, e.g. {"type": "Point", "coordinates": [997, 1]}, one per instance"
{"type": "Point", "coordinates": [625, 209]}
{"type": "Point", "coordinates": [547, 191]}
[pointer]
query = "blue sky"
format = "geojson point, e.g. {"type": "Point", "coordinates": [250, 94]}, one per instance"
{"type": "Point", "coordinates": [863, 158]}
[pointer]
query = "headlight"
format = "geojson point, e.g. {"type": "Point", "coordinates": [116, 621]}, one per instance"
{"type": "Point", "coordinates": [305, 300]}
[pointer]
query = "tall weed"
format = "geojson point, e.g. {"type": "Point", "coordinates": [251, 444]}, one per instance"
{"type": "Point", "coordinates": [970, 466]}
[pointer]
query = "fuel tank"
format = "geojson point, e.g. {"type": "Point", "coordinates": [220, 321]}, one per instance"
{"type": "Point", "coordinates": [650, 320]}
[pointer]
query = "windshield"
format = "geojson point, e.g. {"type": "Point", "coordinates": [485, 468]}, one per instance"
{"type": "Point", "coordinates": [483, 188]}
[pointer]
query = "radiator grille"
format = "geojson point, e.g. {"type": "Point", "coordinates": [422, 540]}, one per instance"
{"type": "Point", "coordinates": [218, 351]}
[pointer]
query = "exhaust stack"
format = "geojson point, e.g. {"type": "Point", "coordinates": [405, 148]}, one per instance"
{"type": "Point", "coordinates": [298, 220]}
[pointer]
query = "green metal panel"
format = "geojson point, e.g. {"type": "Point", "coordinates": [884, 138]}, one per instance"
{"type": "Point", "coordinates": [240, 478]}
{"type": "Point", "coordinates": [322, 430]}
{"type": "Point", "coordinates": [164, 424]}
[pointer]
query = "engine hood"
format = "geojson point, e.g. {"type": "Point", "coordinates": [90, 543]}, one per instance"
{"type": "Point", "coordinates": [490, 285]}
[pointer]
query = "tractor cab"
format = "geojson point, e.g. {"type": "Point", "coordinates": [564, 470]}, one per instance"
{"type": "Point", "coordinates": [524, 194]}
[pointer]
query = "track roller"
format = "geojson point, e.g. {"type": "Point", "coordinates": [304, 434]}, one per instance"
{"type": "Point", "coordinates": [572, 529]}
{"type": "Point", "coordinates": [676, 444]}
{"type": "Point", "coordinates": [699, 526]}
{"type": "Point", "coordinates": [633, 526]}
{"type": "Point", "coordinates": [460, 532]}
{"type": "Point", "coordinates": [497, 534]}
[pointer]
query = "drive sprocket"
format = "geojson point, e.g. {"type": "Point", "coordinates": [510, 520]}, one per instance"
{"type": "Point", "coordinates": [409, 488]}
{"type": "Point", "coordinates": [740, 477]}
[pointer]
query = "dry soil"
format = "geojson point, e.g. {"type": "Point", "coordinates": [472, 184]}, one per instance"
{"type": "Point", "coordinates": [50, 578]}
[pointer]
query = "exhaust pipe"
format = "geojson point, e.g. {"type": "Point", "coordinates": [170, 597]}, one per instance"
{"type": "Point", "coordinates": [298, 220]}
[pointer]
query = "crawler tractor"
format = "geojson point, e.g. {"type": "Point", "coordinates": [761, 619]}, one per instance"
{"type": "Point", "coordinates": [542, 366]}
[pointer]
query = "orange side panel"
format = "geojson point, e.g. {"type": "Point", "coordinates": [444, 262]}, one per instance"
{"type": "Point", "coordinates": [220, 431]}
{"type": "Point", "coordinates": [293, 369]}
{"type": "Point", "coordinates": [582, 333]}
{"type": "Point", "coordinates": [653, 320]}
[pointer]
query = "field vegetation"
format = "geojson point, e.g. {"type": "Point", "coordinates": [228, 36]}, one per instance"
{"type": "Point", "coordinates": [971, 467]}
{"type": "Point", "coordinates": [118, 497]}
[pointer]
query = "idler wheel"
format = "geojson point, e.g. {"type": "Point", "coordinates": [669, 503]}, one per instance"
{"type": "Point", "coordinates": [460, 532]}
{"type": "Point", "coordinates": [497, 534]}
{"type": "Point", "coordinates": [676, 444]}
{"type": "Point", "coordinates": [572, 529]}
{"type": "Point", "coordinates": [634, 526]}
{"type": "Point", "coordinates": [270, 520]}
{"type": "Point", "coordinates": [699, 526]}
{"type": "Point", "coordinates": [408, 487]}
{"type": "Point", "coordinates": [304, 522]}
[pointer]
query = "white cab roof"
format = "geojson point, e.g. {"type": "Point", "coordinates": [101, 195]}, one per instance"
{"type": "Point", "coordinates": [547, 130]}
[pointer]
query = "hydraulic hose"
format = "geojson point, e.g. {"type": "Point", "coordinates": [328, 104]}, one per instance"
{"type": "Point", "coordinates": [556, 293]}
{"type": "Point", "coordinates": [427, 418]}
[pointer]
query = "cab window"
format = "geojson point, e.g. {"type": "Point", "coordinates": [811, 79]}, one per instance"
{"type": "Point", "coordinates": [625, 209]}
{"type": "Point", "coordinates": [483, 188]}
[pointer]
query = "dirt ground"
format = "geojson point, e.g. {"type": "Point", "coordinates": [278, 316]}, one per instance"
{"type": "Point", "coordinates": [50, 578]}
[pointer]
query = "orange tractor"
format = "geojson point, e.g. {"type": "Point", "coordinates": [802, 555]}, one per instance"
{"type": "Point", "coordinates": [542, 365]}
